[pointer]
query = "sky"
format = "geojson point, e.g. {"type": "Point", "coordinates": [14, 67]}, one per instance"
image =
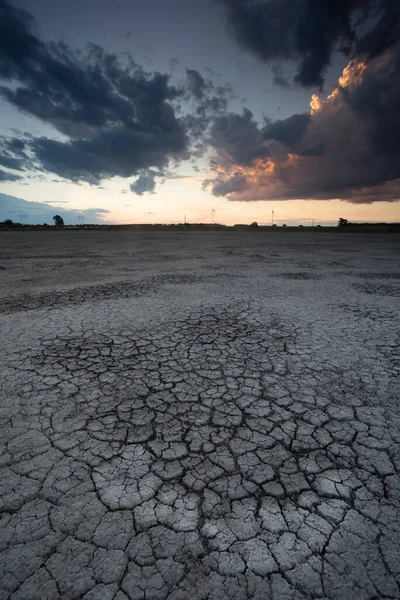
{"type": "Point", "coordinates": [123, 111]}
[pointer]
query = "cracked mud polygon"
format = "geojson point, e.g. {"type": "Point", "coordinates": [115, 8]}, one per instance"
{"type": "Point", "coordinates": [199, 416]}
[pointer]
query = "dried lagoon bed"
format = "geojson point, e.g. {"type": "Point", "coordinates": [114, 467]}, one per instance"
{"type": "Point", "coordinates": [203, 415]}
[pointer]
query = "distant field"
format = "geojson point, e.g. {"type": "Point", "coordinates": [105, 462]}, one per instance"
{"type": "Point", "coordinates": [200, 414]}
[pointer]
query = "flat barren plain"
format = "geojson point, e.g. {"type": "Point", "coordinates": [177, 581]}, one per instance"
{"type": "Point", "coordinates": [199, 415]}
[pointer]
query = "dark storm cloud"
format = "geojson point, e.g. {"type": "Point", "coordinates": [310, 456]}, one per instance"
{"type": "Point", "coordinates": [314, 151]}
{"type": "Point", "coordinates": [119, 118]}
{"type": "Point", "coordinates": [205, 92]}
{"type": "Point", "coordinates": [76, 91]}
{"type": "Point", "coordinates": [237, 138]}
{"type": "Point", "coordinates": [146, 182]}
{"type": "Point", "coordinates": [4, 176]}
{"type": "Point", "coordinates": [376, 99]}
{"type": "Point", "coordinates": [17, 40]}
{"type": "Point", "coordinates": [11, 163]}
{"type": "Point", "coordinates": [347, 147]}
{"type": "Point", "coordinates": [208, 102]}
{"type": "Point", "coordinates": [383, 28]}
{"type": "Point", "coordinates": [240, 140]}
{"type": "Point", "coordinates": [309, 31]}
{"type": "Point", "coordinates": [13, 155]}
{"type": "Point", "coordinates": [288, 131]}
{"type": "Point", "coordinates": [117, 151]}
{"type": "Point", "coordinates": [15, 145]}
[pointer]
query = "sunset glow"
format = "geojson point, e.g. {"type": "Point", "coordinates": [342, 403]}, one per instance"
{"type": "Point", "coordinates": [151, 138]}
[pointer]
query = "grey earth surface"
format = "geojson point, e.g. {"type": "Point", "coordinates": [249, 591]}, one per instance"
{"type": "Point", "coordinates": [199, 415]}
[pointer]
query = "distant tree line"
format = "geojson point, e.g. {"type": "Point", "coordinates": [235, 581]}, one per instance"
{"type": "Point", "coordinates": [343, 224]}
{"type": "Point", "coordinates": [346, 223]}
{"type": "Point", "coordinates": [58, 222]}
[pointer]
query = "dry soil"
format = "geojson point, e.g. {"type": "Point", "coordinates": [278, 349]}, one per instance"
{"type": "Point", "coordinates": [199, 415]}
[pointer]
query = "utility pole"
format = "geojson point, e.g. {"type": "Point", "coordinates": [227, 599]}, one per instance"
{"type": "Point", "coordinates": [272, 219]}
{"type": "Point", "coordinates": [213, 215]}
{"type": "Point", "coordinates": [313, 221]}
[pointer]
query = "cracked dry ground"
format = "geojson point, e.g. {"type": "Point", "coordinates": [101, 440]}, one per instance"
{"type": "Point", "coordinates": [219, 421]}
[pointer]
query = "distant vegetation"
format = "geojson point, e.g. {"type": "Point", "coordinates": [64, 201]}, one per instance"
{"type": "Point", "coordinates": [345, 223]}
{"type": "Point", "coordinates": [58, 221]}
{"type": "Point", "coordinates": [343, 226]}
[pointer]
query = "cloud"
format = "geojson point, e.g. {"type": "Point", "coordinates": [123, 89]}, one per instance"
{"type": "Point", "coordinates": [188, 178]}
{"type": "Point", "coordinates": [308, 32]}
{"type": "Point", "coordinates": [197, 83]}
{"type": "Point", "coordinates": [113, 118]}
{"type": "Point", "coordinates": [117, 151]}
{"type": "Point", "coordinates": [77, 92]}
{"type": "Point", "coordinates": [237, 138]}
{"type": "Point", "coordinates": [288, 131]}
{"type": "Point", "coordinates": [346, 147]}
{"type": "Point", "coordinates": [5, 176]}
{"type": "Point", "coordinates": [11, 163]}
{"type": "Point", "coordinates": [144, 183]}
{"type": "Point", "coordinates": [40, 212]}
{"type": "Point", "coordinates": [118, 118]}
{"type": "Point", "coordinates": [206, 101]}
{"type": "Point", "coordinates": [13, 156]}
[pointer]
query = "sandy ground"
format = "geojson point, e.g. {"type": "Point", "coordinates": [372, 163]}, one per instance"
{"type": "Point", "coordinates": [195, 415]}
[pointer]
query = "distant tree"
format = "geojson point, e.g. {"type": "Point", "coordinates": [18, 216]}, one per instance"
{"type": "Point", "coordinates": [8, 222]}
{"type": "Point", "coordinates": [301, 225]}
{"type": "Point", "coordinates": [58, 221]}
{"type": "Point", "coordinates": [284, 225]}
{"type": "Point", "coordinates": [343, 222]}
{"type": "Point", "coordinates": [254, 224]}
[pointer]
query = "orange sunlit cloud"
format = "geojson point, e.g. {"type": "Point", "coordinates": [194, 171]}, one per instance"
{"type": "Point", "coordinates": [333, 157]}
{"type": "Point", "coordinates": [315, 102]}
